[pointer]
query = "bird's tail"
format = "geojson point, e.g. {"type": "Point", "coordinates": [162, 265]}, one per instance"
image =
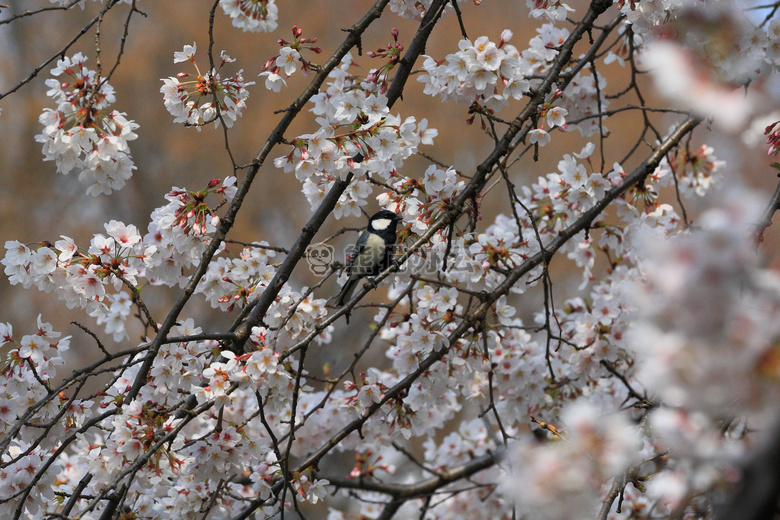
{"type": "Point", "coordinates": [346, 291]}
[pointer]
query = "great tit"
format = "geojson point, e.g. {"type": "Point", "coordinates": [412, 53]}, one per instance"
{"type": "Point", "coordinates": [371, 254]}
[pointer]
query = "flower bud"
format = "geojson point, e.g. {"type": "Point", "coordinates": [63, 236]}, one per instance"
{"type": "Point", "coordinates": [506, 35]}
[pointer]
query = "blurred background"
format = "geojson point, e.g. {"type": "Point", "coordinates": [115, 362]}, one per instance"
{"type": "Point", "coordinates": [38, 204]}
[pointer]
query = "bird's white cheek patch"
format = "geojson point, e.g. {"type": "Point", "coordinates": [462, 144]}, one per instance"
{"type": "Point", "coordinates": [381, 224]}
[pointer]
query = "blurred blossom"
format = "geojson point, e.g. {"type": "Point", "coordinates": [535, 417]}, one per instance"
{"type": "Point", "coordinates": [562, 477]}
{"type": "Point", "coordinates": [414, 9]}
{"type": "Point", "coordinates": [704, 59]}
{"type": "Point", "coordinates": [678, 76]}
{"type": "Point", "coordinates": [754, 136]}
{"type": "Point", "coordinates": [702, 458]}
{"type": "Point", "coordinates": [252, 15]}
{"type": "Point", "coordinates": [707, 330]}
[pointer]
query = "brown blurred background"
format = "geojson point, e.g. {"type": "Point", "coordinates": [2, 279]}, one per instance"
{"type": "Point", "coordinates": [37, 204]}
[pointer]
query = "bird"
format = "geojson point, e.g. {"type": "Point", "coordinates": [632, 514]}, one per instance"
{"type": "Point", "coordinates": [371, 254]}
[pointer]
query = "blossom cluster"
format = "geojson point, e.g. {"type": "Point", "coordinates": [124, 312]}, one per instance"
{"type": "Point", "coordinates": [93, 279]}
{"type": "Point", "coordinates": [773, 137]}
{"type": "Point", "coordinates": [82, 132]}
{"type": "Point", "coordinates": [705, 346]}
{"type": "Point", "coordinates": [357, 134]}
{"type": "Point", "coordinates": [194, 461]}
{"type": "Point", "coordinates": [414, 9]}
{"type": "Point", "coordinates": [623, 380]}
{"type": "Point", "coordinates": [478, 70]}
{"type": "Point", "coordinates": [288, 60]}
{"type": "Point", "coordinates": [208, 97]}
{"type": "Point", "coordinates": [252, 15]}
{"type": "Point", "coordinates": [181, 231]}
{"type": "Point", "coordinates": [81, 279]}
{"type": "Point", "coordinates": [28, 368]}
{"type": "Point", "coordinates": [421, 201]}
{"type": "Point", "coordinates": [595, 326]}
{"type": "Point", "coordinates": [553, 10]}
{"type": "Point", "coordinates": [487, 75]}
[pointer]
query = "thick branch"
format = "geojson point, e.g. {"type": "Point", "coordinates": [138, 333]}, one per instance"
{"type": "Point", "coordinates": [424, 487]}
{"type": "Point", "coordinates": [756, 495]}
{"type": "Point", "coordinates": [326, 206]}
{"type": "Point", "coordinates": [479, 314]}
{"type": "Point", "coordinates": [227, 221]}
{"type": "Point", "coordinates": [766, 217]}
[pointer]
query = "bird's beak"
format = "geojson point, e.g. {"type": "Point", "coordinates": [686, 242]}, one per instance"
{"type": "Point", "coordinates": [398, 218]}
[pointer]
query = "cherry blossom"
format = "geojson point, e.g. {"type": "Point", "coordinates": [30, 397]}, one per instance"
{"type": "Point", "coordinates": [82, 133]}
{"type": "Point", "coordinates": [252, 15]}
{"type": "Point", "coordinates": [183, 97]}
{"type": "Point", "coordinates": [567, 329]}
{"type": "Point", "coordinates": [475, 73]}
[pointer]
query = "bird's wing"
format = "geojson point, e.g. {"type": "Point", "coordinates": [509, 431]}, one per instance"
{"type": "Point", "coordinates": [356, 249]}
{"type": "Point", "coordinates": [367, 260]}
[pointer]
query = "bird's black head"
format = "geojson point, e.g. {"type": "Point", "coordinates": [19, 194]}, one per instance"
{"type": "Point", "coordinates": [384, 222]}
